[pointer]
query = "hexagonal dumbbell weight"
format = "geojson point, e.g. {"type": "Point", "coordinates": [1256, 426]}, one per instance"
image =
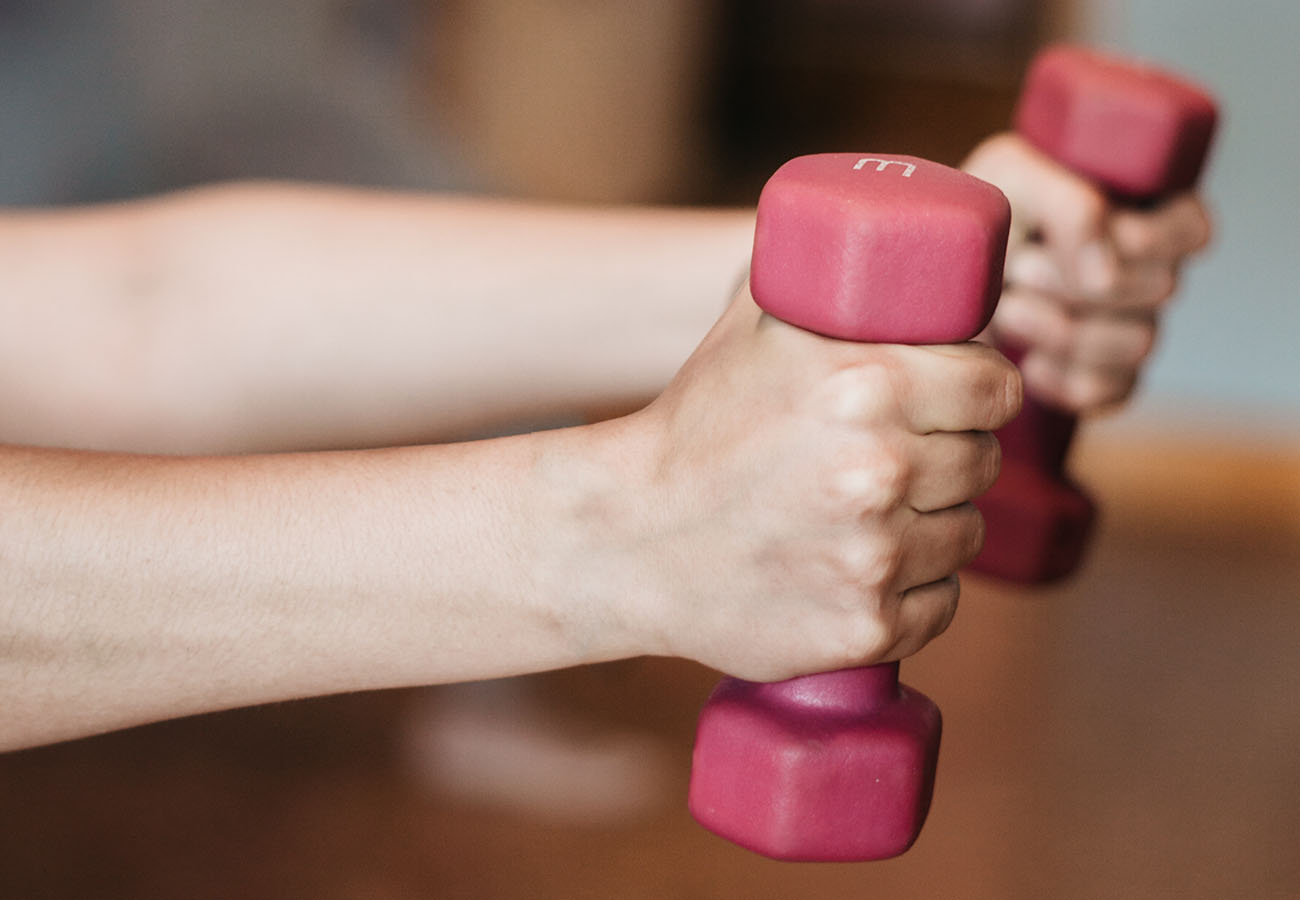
{"type": "Point", "coordinates": [1140, 134]}
{"type": "Point", "coordinates": [840, 766]}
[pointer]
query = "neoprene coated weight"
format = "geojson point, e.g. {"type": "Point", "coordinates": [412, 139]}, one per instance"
{"type": "Point", "coordinates": [861, 247]}
{"type": "Point", "coordinates": [1140, 134]}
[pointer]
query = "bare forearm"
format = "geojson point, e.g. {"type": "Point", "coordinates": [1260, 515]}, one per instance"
{"type": "Point", "coordinates": [139, 588]}
{"type": "Point", "coordinates": [768, 520]}
{"type": "Point", "coordinates": [255, 317]}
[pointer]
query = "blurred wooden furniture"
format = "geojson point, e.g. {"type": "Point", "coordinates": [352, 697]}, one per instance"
{"type": "Point", "coordinates": [701, 100]}
{"type": "Point", "coordinates": [591, 102]}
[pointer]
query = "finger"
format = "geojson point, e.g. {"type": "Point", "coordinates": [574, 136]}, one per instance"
{"type": "Point", "coordinates": [1093, 338]}
{"type": "Point", "coordinates": [1141, 288]}
{"type": "Point", "coordinates": [1093, 276]}
{"type": "Point", "coordinates": [1120, 343]}
{"type": "Point", "coordinates": [938, 544]}
{"type": "Point", "coordinates": [924, 613]}
{"type": "Point", "coordinates": [951, 468]}
{"type": "Point", "coordinates": [957, 387]}
{"type": "Point", "coordinates": [1033, 267]}
{"type": "Point", "coordinates": [1134, 285]}
{"type": "Point", "coordinates": [1073, 388]}
{"type": "Point", "coordinates": [1167, 233]}
{"type": "Point", "coordinates": [1033, 320]}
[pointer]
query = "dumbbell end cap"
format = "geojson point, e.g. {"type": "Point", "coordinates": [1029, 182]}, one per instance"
{"type": "Point", "coordinates": [809, 782]}
{"type": "Point", "coordinates": [1037, 526]}
{"type": "Point", "coordinates": [879, 248]}
{"type": "Point", "coordinates": [1077, 102]}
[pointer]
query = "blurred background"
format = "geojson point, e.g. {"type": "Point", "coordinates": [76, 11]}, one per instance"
{"type": "Point", "coordinates": [1131, 733]}
{"type": "Point", "coordinates": [676, 101]}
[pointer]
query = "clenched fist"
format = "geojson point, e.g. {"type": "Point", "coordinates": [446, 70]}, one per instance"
{"type": "Point", "coordinates": [806, 505]}
{"type": "Point", "coordinates": [1086, 279]}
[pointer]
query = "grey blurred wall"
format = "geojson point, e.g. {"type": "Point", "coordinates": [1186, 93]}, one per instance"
{"type": "Point", "coordinates": [110, 98]}
{"type": "Point", "coordinates": [1231, 351]}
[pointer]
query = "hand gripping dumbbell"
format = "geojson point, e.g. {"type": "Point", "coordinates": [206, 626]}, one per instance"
{"type": "Point", "coordinates": [840, 766]}
{"type": "Point", "coordinates": [1140, 134]}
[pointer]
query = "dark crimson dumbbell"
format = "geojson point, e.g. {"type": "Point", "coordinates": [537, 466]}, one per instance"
{"type": "Point", "coordinates": [1140, 134]}
{"type": "Point", "coordinates": [840, 766]}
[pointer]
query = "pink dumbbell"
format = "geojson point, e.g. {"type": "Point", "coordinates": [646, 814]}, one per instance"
{"type": "Point", "coordinates": [1140, 134]}
{"type": "Point", "coordinates": [840, 766]}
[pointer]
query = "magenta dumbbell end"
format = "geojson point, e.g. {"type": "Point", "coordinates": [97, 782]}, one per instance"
{"type": "Point", "coordinates": [836, 767]}
{"type": "Point", "coordinates": [1037, 526]}
{"type": "Point", "coordinates": [1138, 131]}
{"type": "Point", "coordinates": [1139, 134]}
{"type": "Point", "coordinates": [884, 249]}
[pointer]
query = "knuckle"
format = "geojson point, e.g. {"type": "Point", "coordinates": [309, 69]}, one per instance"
{"type": "Point", "coordinates": [889, 474]}
{"type": "Point", "coordinates": [870, 488]}
{"type": "Point", "coordinates": [863, 392]}
{"type": "Point", "coordinates": [862, 635]}
{"type": "Point", "coordinates": [869, 565]}
{"type": "Point", "coordinates": [869, 476]}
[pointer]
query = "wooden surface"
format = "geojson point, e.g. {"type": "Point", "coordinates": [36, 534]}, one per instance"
{"type": "Point", "coordinates": [1130, 734]}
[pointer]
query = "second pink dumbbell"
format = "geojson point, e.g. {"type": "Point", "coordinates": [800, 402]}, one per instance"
{"type": "Point", "coordinates": [1140, 134]}
{"type": "Point", "coordinates": [890, 249]}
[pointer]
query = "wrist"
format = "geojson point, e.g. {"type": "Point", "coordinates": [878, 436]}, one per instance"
{"type": "Point", "coordinates": [595, 513]}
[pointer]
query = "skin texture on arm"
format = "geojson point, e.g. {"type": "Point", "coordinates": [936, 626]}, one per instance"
{"type": "Point", "coordinates": [142, 587]}
{"type": "Point", "coordinates": [789, 504]}
{"type": "Point", "coordinates": [262, 316]}
{"type": "Point", "coordinates": [252, 317]}
{"type": "Point", "coordinates": [1086, 280]}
